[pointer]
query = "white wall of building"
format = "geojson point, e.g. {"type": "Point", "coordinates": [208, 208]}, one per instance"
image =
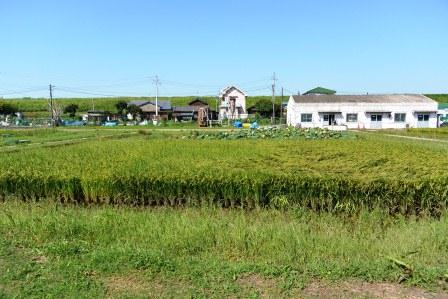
{"type": "Point", "coordinates": [364, 112]}
{"type": "Point", "coordinates": [240, 103]}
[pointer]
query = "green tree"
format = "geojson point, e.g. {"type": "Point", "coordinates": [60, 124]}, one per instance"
{"type": "Point", "coordinates": [71, 110]}
{"type": "Point", "coordinates": [134, 110]}
{"type": "Point", "coordinates": [121, 106]}
{"type": "Point", "coordinates": [7, 109]}
{"type": "Point", "coordinates": [264, 108]}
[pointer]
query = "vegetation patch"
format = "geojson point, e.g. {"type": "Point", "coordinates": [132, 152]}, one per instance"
{"type": "Point", "coordinates": [267, 133]}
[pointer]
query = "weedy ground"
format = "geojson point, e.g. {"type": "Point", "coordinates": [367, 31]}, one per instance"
{"type": "Point", "coordinates": [62, 251]}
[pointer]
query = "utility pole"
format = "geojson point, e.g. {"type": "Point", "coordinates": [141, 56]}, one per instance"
{"type": "Point", "coordinates": [157, 83]}
{"type": "Point", "coordinates": [51, 104]}
{"type": "Point", "coordinates": [274, 79]}
{"type": "Point", "coordinates": [281, 108]}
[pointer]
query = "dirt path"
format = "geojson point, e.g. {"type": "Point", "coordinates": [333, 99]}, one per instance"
{"type": "Point", "coordinates": [358, 289]}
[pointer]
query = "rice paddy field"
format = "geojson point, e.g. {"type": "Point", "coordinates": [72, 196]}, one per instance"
{"type": "Point", "coordinates": [176, 214]}
{"type": "Point", "coordinates": [335, 175]}
{"type": "Point", "coordinates": [439, 133]}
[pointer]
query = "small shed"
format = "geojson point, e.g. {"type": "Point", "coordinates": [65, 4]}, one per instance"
{"type": "Point", "coordinates": [98, 117]}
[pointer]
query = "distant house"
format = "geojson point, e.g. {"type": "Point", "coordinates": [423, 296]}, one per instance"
{"type": "Point", "coordinates": [233, 103]}
{"type": "Point", "coordinates": [190, 112]}
{"type": "Point", "coordinates": [362, 111]}
{"type": "Point", "coordinates": [149, 108]}
{"type": "Point", "coordinates": [99, 117]}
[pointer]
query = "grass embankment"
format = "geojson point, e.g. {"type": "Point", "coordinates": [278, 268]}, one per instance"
{"type": "Point", "coordinates": [441, 98]}
{"type": "Point", "coordinates": [337, 175]}
{"type": "Point", "coordinates": [54, 251]}
{"type": "Point", "coordinates": [32, 106]}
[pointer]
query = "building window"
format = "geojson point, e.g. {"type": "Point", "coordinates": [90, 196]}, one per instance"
{"type": "Point", "coordinates": [352, 117]}
{"type": "Point", "coordinates": [400, 117]}
{"type": "Point", "coordinates": [423, 117]}
{"type": "Point", "coordinates": [306, 117]}
{"type": "Point", "coordinates": [376, 117]}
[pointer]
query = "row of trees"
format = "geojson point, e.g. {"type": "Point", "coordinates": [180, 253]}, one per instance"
{"type": "Point", "coordinates": [122, 108]}
{"type": "Point", "coordinates": [264, 108]}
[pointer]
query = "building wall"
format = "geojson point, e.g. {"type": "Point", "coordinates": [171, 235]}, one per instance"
{"type": "Point", "coordinates": [295, 110]}
{"type": "Point", "coordinates": [224, 109]}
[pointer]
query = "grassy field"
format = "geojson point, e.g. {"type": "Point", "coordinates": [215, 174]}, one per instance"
{"type": "Point", "coordinates": [55, 251]}
{"type": "Point", "coordinates": [149, 168]}
{"type": "Point", "coordinates": [439, 133]}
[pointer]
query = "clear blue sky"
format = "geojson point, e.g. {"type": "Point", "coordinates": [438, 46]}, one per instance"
{"type": "Point", "coordinates": [198, 47]}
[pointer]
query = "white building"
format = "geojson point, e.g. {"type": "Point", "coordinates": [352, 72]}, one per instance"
{"type": "Point", "coordinates": [233, 103]}
{"type": "Point", "coordinates": [393, 111]}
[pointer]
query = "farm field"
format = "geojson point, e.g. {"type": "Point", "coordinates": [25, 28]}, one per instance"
{"type": "Point", "coordinates": [214, 214]}
{"type": "Point", "coordinates": [52, 250]}
{"type": "Point", "coordinates": [439, 133]}
{"type": "Point", "coordinates": [169, 168]}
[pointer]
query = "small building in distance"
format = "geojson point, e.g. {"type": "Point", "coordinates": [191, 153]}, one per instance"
{"type": "Point", "coordinates": [99, 117]}
{"type": "Point", "coordinates": [391, 111]}
{"type": "Point", "coordinates": [232, 103]}
{"type": "Point", "coordinates": [190, 112]}
{"type": "Point", "coordinates": [149, 108]}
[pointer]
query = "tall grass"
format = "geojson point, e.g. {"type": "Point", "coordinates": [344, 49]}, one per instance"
{"type": "Point", "coordinates": [50, 250]}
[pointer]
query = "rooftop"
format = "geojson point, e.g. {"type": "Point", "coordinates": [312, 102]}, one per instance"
{"type": "Point", "coordinates": [320, 90]}
{"type": "Point", "coordinates": [385, 98]}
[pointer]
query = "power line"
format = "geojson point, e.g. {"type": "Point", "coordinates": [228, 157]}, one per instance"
{"type": "Point", "coordinates": [23, 91]}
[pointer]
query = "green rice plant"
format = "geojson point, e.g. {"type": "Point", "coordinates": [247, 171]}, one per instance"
{"type": "Point", "coordinates": [331, 174]}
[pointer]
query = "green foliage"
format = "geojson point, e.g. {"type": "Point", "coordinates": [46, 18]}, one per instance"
{"type": "Point", "coordinates": [264, 107]}
{"type": "Point", "coordinates": [267, 133]}
{"type": "Point", "coordinates": [134, 110]}
{"type": "Point", "coordinates": [441, 98]}
{"type": "Point", "coordinates": [121, 106]}
{"type": "Point", "coordinates": [7, 108]}
{"type": "Point", "coordinates": [71, 109]}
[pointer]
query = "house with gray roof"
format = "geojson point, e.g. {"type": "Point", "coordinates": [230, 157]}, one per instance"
{"type": "Point", "coordinates": [390, 111]}
{"type": "Point", "coordinates": [149, 108]}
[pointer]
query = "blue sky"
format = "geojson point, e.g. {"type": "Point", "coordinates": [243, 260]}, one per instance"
{"type": "Point", "coordinates": [198, 47]}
